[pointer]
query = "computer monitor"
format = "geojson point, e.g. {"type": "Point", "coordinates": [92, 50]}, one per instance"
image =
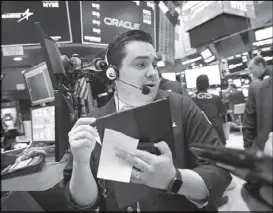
{"type": "Point", "coordinates": [63, 106]}
{"type": "Point", "coordinates": [9, 118]}
{"type": "Point", "coordinates": [52, 56]}
{"type": "Point", "coordinates": [39, 84]}
{"type": "Point", "coordinates": [237, 82]}
{"type": "Point", "coordinates": [213, 73]}
{"type": "Point", "coordinates": [51, 124]}
{"type": "Point", "coordinates": [43, 124]}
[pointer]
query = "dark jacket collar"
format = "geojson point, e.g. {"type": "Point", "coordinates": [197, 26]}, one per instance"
{"type": "Point", "coordinates": [110, 107]}
{"type": "Point", "coordinates": [162, 82]}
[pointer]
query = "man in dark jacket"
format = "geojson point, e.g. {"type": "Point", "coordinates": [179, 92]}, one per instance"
{"type": "Point", "coordinates": [256, 67]}
{"type": "Point", "coordinates": [133, 56]}
{"type": "Point", "coordinates": [258, 114]}
{"type": "Point", "coordinates": [211, 105]}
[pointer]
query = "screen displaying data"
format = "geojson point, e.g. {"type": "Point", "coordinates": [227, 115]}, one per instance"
{"type": "Point", "coordinates": [18, 18]}
{"type": "Point", "coordinates": [43, 123]}
{"type": "Point", "coordinates": [212, 72]}
{"type": "Point", "coordinates": [102, 20]}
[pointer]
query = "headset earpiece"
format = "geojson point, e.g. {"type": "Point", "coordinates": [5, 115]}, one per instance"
{"type": "Point", "coordinates": [111, 73]}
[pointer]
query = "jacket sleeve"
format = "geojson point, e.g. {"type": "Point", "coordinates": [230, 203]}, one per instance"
{"type": "Point", "coordinates": [249, 125]}
{"type": "Point", "coordinates": [222, 107]}
{"type": "Point", "coordinates": [67, 173]}
{"type": "Point", "coordinates": [198, 130]}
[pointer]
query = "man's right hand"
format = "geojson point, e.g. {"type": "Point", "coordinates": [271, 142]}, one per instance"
{"type": "Point", "coordinates": [82, 139]}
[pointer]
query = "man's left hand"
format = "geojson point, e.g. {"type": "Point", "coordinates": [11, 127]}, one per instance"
{"type": "Point", "coordinates": [151, 170]}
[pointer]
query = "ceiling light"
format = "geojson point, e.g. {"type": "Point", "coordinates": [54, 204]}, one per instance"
{"type": "Point", "coordinates": [18, 59]}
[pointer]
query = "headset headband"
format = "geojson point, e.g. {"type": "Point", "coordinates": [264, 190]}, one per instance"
{"type": "Point", "coordinates": [106, 57]}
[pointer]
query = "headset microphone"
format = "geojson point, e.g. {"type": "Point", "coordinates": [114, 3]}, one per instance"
{"type": "Point", "coordinates": [113, 74]}
{"type": "Point", "coordinates": [145, 90]}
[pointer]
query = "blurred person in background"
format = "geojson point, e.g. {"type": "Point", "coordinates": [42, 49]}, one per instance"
{"type": "Point", "coordinates": [268, 72]}
{"type": "Point", "coordinates": [258, 114]}
{"type": "Point", "coordinates": [256, 67]}
{"type": "Point", "coordinates": [235, 96]}
{"type": "Point", "coordinates": [211, 105]}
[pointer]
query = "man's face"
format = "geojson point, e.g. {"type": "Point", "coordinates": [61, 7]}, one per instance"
{"type": "Point", "coordinates": [255, 70]}
{"type": "Point", "coordinates": [137, 68]}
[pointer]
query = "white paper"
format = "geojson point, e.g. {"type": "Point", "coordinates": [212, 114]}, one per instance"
{"type": "Point", "coordinates": [111, 167]}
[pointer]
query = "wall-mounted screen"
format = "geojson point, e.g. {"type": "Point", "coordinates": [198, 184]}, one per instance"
{"type": "Point", "coordinates": [213, 73]}
{"type": "Point", "coordinates": [18, 19]}
{"type": "Point", "coordinates": [102, 20]}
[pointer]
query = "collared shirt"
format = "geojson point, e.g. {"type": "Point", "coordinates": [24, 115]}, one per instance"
{"type": "Point", "coordinates": [120, 105]}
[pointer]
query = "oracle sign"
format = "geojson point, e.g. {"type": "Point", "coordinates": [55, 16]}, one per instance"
{"type": "Point", "coordinates": [120, 23]}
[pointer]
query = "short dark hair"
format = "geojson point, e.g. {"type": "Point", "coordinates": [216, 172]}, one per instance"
{"type": "Point", "coordinates": [101, 54]}
{"type": "Point", "coordinates": [202, 82]}
{"type": "Point", "coordinates": [259, 60]}
{"type": "Point", "coordinates": [116, 53]}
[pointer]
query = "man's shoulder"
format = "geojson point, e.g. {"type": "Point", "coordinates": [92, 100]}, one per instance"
{"type": "Point", "coordinates": [262, 83]}
{"type": "Point", "coordinates": [176, 98]}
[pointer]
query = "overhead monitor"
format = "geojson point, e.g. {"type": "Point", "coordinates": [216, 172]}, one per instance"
{"type": "Point", "coordinates": [43, 124]}
{"type": "Point", "coordinates": [213, 73]}
{"type": "Point", "coordinates": [39, 84]}
{"type": "Point", "coordinates": [236, 63]}
{"type": "Point", "coordinates": [206, 53]}
{"type": "Point", "coordinates": [102, 20]}
{"type": "Point", "coordinates": [18, 19]}
{"type": "Point", "coordinates": [237, 82]}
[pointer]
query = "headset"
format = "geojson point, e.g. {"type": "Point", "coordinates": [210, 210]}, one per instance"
{"type": "Point", "coordinates": [112, 74]}
{"type": "Point", "coordinates": [111, 71]}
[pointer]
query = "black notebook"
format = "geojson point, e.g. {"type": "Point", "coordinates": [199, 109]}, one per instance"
{"type": "Point", "coordinates": [148, 123]}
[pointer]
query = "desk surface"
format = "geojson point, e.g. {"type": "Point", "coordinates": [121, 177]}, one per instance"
{"type": "Point", "coordinates": [50, 175]}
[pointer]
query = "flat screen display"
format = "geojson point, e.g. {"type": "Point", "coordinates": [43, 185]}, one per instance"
{"type": "Point", "coordinates": [213, 73]}
{"type": "Point", "coordinates": [237, 82]}
{"type": "Point", "coordinates": [43, 123]}
{"type": "Point", "coordinates": [39, 84]}
{"type": "Point", "coordinates": [9, 117]}
{"type": "Point", "coordinates": [18, 19]}
{"type": "Point", "coordinates": [102, 20]}
{"type": "Point", "coordinates": [235, 63]}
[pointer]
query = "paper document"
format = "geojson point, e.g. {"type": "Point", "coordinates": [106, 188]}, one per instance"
{"type": "Point", "coordinates": [111, 167]}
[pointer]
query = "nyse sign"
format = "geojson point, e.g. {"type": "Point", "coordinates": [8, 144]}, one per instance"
{"type": "Point", "coordinates": [120, 23]}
